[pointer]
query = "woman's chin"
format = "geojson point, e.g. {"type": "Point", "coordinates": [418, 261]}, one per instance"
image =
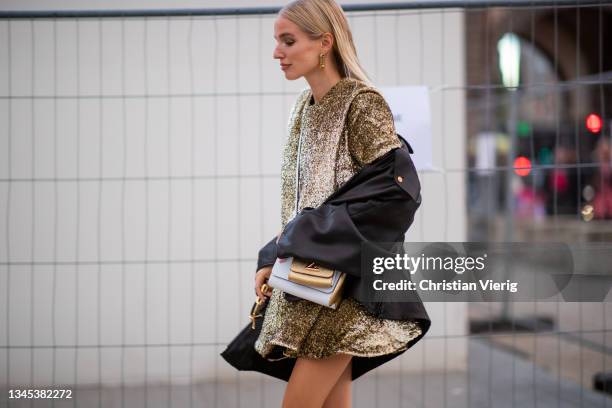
{"type": "Point", "coordinates": [290, 76]}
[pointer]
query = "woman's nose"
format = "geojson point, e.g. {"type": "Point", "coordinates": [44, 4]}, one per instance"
{"type": "Point", "coordinates": [276, 54]}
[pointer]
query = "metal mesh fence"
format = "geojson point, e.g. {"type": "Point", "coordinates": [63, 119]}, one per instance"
{"type": "Point", "coordinates": [139, 175]}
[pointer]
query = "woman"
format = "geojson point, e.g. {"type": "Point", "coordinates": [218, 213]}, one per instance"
{"type": "Point", "coordinates": [344, 124]}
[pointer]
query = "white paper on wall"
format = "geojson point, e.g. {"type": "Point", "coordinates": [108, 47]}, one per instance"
{"type": "Point", "coordinates": [412, 114]}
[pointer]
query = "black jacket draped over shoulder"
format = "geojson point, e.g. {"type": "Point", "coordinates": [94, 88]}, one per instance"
{"type": "Point", "coordinates": [377, 205]}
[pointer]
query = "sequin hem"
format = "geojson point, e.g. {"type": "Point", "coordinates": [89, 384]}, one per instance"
{"type": "Point", "coordinates": [295, 353]}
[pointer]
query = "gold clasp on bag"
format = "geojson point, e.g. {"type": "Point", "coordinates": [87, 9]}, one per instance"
{"type": "Point", "coordinates": [311, 274]}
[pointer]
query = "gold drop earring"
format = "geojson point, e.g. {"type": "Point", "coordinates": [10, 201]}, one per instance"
{"type": "Point", "coordinates": [322, 61]}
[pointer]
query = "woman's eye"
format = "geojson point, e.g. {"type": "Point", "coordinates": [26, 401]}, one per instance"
{"type": "Point", "coordinates": [289, 43]}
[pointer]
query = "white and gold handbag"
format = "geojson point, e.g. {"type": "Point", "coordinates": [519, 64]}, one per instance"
{"type": "Point", "coordinates": [319, 285]}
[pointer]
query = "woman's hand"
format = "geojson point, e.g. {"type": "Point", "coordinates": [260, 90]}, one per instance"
{"type": "Point", "coordinates": [261, 277]}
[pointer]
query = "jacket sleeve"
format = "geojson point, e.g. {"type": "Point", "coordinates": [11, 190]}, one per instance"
{"type": "Point", "coordinates": [336, 237]}
{"type": "Point", "coordinates": [374, 214]}
{"type": "Point", "coordinates": [267, 254]}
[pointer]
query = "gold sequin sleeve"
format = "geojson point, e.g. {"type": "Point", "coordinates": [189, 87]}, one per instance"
{"type": "Point", "coordinates": [371, 130]}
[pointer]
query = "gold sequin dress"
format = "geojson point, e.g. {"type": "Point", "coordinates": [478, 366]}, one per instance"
{"type": "Point", "coordinates": [350, 126]}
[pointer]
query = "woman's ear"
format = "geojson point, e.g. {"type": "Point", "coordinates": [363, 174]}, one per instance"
{"type": "Point", "coordinates": [327, 42]}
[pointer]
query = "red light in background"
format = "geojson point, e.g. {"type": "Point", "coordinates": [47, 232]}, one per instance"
{"type": "Point", "coordinates": [524, 164]}
{"type": "Point", "coordinates": [593, 123]}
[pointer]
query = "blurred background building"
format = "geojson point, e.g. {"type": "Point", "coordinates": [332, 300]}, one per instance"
{"type": "Point", "coordinates": [557, 110]}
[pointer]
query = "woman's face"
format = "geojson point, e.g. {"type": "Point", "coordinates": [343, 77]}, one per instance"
{"type": "Point", "coordinates": [298, 55]}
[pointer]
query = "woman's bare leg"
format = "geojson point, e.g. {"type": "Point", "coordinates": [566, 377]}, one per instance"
{"type": "Point", "coordinates": [341, 394]}
{"type": "Point", "coordinates": [312, 380]}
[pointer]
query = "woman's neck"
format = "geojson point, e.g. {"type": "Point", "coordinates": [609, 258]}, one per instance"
{"type": "Point", "coordinates": [322, 83]}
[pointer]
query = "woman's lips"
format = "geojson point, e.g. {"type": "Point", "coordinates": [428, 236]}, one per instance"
{"type": "Point", "coordinates": [284, 67]}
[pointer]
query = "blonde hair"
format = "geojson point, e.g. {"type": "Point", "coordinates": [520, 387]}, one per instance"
{"type": "Point", "coordinates": [316, 17]}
